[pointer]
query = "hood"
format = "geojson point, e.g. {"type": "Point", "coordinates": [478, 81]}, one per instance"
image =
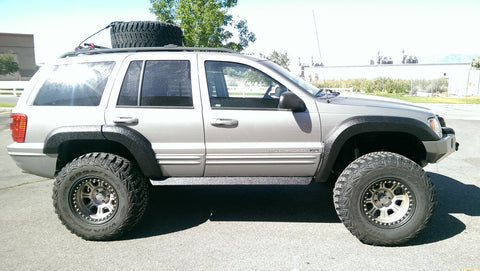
{"type": "Point", "coordinates": [371, 101]}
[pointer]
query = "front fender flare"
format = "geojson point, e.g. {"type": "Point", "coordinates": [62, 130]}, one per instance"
{"type": "Point", "coordinates": [366, 124]}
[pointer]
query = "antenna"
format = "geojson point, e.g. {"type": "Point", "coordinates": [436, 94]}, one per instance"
{"type": "Point", "coordinates": [319, 51]}
{"type": "Point", "coordinates": [318, 41]}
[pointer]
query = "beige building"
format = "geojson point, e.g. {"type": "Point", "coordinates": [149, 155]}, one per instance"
{"type": "Point", "coordinates": [22, 46]}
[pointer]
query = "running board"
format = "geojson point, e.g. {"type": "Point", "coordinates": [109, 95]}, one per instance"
{"type": "Point", "coordinates": [233, 181]}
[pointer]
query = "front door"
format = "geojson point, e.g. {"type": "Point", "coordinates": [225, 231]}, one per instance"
{"type": "Point", "coordinates": [245, 132]}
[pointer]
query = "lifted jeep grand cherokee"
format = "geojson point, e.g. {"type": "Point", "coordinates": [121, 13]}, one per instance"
{"type": "Point", "coordinates": [108, 122]}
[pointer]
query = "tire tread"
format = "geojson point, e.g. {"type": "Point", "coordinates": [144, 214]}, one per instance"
{"type": "Point", "coordinates": [351, 175]}
{"type": "Point", "coordinates": [131, 178]}
{"type": "Point", "coordinates": [145, 34]}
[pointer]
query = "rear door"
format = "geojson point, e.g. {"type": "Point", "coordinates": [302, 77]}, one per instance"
{"type": "Point", "coordinates": [245, 132]}
{"type": "Point", "coordinates": [159, 97]}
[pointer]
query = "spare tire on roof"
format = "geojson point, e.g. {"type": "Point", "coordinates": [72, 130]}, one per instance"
{"type": "Point", "coordinates": [145, 34]}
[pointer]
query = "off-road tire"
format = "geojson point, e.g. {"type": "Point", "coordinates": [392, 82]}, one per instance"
{"type": "Point", "coordinates": [145, 34]}
{"type": "Point", "coordinates": [384, 198]}
{"type": "Point", "coordinates": [100, 196]}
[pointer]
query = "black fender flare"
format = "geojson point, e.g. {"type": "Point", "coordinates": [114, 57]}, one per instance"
{"type": "Point", "coordinates": [133, 141]}
{"type": "Point", "coordinates": [366, 124]}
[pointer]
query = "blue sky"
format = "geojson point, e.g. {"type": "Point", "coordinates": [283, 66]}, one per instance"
{"type": "Point", "coordinates": [350, 32]}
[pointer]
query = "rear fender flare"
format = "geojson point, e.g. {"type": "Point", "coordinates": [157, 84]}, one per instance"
{"type": "Point", "coordinates": [133, 141]}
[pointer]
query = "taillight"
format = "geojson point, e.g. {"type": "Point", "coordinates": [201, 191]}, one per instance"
{"type": "Point", "coordinates": [18, 127]}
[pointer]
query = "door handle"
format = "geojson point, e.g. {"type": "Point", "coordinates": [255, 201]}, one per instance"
{"type": "Point", "coordinates": [125, 120]}
{"type": "Point", "coordinates": [224, 122]}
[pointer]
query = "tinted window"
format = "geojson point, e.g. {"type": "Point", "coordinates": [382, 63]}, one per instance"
{"type": "Point", "coordinates": [234, 85]}
{"type": "Point", "coordinates": [166, 83]}
{"type": "Point", "coordinates": [130, 85]}
{"type": "Point", "coordinates": [75, 85]}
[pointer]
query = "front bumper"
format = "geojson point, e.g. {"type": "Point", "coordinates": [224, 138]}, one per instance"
{"type": "Point", "coordinates": [439, 149]}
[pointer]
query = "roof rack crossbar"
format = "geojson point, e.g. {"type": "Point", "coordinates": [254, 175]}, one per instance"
{"type": "Point", "coordinates": [145, 49]}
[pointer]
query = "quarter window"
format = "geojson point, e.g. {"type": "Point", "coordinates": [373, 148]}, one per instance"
{"type": "Point", "coordinates": [234, 85]}
{"type": "Point", "coordinates": [80, 84]}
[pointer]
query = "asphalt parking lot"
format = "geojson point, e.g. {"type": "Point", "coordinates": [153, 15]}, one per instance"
{"type": "Point", "coordinates": [245, 227]}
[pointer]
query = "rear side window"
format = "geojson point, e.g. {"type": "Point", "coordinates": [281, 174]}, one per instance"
{"type": "Point", "coordinates": [164, 83]}
{"type": "Point", "coordinates": [80, 84]}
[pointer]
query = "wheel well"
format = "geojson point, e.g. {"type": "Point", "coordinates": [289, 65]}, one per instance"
{"type": "Point", "coordinates": [401, 143]}
{"type": "Point", "coordinates": [69, 150]}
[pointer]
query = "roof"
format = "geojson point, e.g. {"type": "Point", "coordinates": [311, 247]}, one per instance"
{"type": "Point", "coordinates": [168, 48]}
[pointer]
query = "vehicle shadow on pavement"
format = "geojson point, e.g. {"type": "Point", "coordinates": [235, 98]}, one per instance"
{"type": "Point", "coordinates": [176, 208]}
{"type": "Point", "coordinates": [453, 197]}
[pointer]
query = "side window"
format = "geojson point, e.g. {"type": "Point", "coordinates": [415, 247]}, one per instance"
{"type": "Point", "coordinates": [164, 83]}
{"type": "Point", "coordinates": [234, 85]}
{"type": "Point", "coordinates": [131, 85]}
{"type": "Point", "coordinates": [75, 85]}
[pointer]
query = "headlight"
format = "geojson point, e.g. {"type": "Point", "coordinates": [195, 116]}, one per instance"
{"type": "Point", "coordinates": [435, 125]}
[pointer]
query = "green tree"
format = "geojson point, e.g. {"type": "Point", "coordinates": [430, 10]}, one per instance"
{"type": "Point", "coordinates": [279, 58]}
{"type": "Point", "coordinates": [8, 64]}
{"type": "Point", "coordinates": [476, 63]}
{"type": "Point", "coordinates": [205, 23]}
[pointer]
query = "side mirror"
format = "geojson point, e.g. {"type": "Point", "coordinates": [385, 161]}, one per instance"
{"type": "Point", "coordinates": [290, 101]}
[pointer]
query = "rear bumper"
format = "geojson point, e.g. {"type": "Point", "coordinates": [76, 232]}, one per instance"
{"type": "Point", "coordinates": [31, 159]}
{"type": "Point", "coordinates": [439, 149]}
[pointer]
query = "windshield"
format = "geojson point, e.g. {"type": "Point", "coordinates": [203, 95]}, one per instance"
{"type": "Point", "coordinates": [297, 80]}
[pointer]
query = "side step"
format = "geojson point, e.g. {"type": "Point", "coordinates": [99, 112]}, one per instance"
{"type": "Point", "coordinates": [233, 181]}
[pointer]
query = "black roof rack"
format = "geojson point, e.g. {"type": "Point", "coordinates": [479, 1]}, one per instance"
{"type": "Point", "coordinates": [168, 48]}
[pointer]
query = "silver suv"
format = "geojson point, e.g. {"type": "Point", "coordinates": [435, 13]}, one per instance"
{"type": "Point", "coordinates": [106, 123]}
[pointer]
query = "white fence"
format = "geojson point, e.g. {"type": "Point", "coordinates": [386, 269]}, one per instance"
{"type": "Point", "coordinates": [12, 87]}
